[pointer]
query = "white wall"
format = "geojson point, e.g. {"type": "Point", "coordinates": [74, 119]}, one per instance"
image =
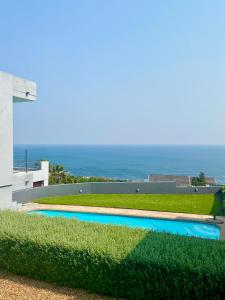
{"type": "Point", "coordinates": [6, 140]}
{"type": "Point", "coordinates": [22, 180]}
{"type": "Point", "coordinates": [43, 174]}
{"type": "Point", "coordinates": [25, 180]}
{"type": "Point", "coordinates": [22, 90]}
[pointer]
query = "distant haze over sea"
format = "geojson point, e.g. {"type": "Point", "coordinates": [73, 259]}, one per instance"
{"type": "Point", "coordinates": [131, 161]}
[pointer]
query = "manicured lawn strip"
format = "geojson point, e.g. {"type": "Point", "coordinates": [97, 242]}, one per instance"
{"type": "Point", "coordinates": [195, 203]}
{"type": "Point", "coordinates": [116, 261]}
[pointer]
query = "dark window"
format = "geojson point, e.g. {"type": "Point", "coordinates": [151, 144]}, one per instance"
{"type": "Point", "coordinates": [38, 183]}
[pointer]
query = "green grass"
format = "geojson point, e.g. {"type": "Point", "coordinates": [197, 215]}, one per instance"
{"type": "Point", "coordinates": [117, 261]}
{"type": "Point", "coordinates": [195, 204]}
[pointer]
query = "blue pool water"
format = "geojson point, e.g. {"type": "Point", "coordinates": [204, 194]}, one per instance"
{"type": "Point", "coordinates": [187, 228]}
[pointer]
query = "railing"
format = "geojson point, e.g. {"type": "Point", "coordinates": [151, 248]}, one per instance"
{"type": "Point", "coordinates": [21, 165]}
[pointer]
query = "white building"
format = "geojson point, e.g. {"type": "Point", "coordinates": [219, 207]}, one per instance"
{"type": "Point", "coordinates": [12, 90]}
{"type": "Point", "coordinates": [24, 179]}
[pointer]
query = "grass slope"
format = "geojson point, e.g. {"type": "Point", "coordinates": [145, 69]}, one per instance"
{"type": "Point", "coordinates": [195, 204]}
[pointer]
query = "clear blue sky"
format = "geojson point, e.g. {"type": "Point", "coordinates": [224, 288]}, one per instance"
{"type": "Point", "coordinates": [136, 72]}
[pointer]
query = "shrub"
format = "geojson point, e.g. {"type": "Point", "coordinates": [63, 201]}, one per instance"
{"type": "Point", "coordinates": [58, 175]}
{"type": "Point", "coordinates": [117, 261]}
{"type": "Point", "coordinates": [199, 181]}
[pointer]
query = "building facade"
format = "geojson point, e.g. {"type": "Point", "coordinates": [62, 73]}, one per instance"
{"type": "Point", "coordinates": [180, 180]}
{"type": "Point", "coordinates": [31, 178]}
{"type": "Point", "coordinates": [12, 90]}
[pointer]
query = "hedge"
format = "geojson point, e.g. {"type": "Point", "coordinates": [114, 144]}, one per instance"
{"type": "Point", "coordinates": [116, 261]}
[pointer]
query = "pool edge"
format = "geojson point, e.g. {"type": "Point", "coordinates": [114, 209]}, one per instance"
{"type": "Point", "coordinates": [130, 213]}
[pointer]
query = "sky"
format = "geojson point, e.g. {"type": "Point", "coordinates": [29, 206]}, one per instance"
{"type": "Point", "coordinates": [117, 71]}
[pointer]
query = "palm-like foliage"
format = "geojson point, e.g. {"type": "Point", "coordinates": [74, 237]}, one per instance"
{"type": "Point", "coordinates": [58, 175]}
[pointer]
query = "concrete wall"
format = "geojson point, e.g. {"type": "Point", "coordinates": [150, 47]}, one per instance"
{"type": "Point", "coordinates": [6, 140]}
{"type": "Point", "coordinates": [42, 174]}
{"type": "Point", "coordinates": [24, 180]}
{"type": "Point", "coordinates": [28, 195]}
{"type": "Point", "coordinates": [201, 190]}
{"type": "Point", "coordinates": [24, 196]}
{"type": "Point", "coordinates": [12, 89]}
{"type": "Point", "coordinates": [131, 187]}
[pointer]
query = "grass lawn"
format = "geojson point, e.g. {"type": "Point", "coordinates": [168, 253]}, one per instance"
{"type": "Point", "coordinates": [195, 204]}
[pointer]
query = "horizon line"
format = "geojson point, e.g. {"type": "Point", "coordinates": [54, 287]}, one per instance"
{"type": "Point", "coordinates": [125, 144]}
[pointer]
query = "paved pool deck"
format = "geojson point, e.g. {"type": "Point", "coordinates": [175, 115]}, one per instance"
{"type": "Point", "coordinates": [128, 212]}
{"type": "Point", "coordinates": [117, 211]}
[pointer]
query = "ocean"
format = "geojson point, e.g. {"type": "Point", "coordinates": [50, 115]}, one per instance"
{"type": "Point", "coordinates": [130, 161]}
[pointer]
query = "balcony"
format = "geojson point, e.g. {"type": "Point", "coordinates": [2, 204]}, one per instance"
{"type": "Point", "coordinates": [20, 165]}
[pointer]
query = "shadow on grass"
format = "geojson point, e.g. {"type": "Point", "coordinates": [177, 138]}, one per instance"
{"type": "Point", "coordinates": [166, 271]}
{"type": "Point", "coordinates": [216, 209]}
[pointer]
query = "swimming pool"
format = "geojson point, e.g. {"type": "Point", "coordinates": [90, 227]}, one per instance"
{"type": "Point", "coordinates": [187, 228]}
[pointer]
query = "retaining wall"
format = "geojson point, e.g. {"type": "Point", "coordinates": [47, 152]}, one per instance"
{"type": "Point", "coordinates": [27, 195]}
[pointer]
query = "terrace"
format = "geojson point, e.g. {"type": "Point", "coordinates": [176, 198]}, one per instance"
{"type": "Point", "coordinates": [30, 174]}
{"type": "Point", "coordinates": [21, 165]}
